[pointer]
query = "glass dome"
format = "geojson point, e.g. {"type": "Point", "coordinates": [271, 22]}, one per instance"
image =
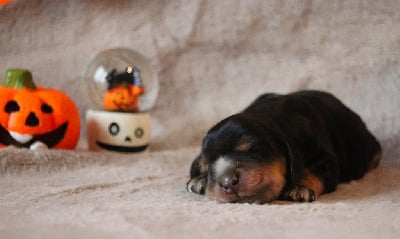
{"type": "Point", "coordinates": [121, 80]}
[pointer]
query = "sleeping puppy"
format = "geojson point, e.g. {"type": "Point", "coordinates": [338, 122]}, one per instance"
{"type": "Point", "coordinates": [284, 147]}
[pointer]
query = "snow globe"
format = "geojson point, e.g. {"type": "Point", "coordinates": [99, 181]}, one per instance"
{"type": "Point", "coordinates": [121, 88]}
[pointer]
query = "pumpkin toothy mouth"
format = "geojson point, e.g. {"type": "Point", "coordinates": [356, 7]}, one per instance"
{"type": "Point", "coordinates": [121, 149]}
{"type": "Point", "coordinates": [50, 139]}
{"type": "Point", "coordinates": [21, 138]}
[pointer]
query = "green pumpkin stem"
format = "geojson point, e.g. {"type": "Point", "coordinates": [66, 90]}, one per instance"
{"type": "Point", "coordinates": [18, 78]}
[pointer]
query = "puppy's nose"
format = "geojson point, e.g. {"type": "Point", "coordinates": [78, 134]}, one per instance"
{"type": "Point", "coordinates": [229, 184]}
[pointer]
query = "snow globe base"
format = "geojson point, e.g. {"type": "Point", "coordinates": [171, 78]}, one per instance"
{"type": "Point", "coordinates": [125, 132]}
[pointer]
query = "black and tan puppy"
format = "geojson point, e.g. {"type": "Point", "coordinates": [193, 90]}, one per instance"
{"type": "Point", "coordinates": [291, 147]}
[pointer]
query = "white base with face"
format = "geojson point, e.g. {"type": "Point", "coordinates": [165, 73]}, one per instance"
{"type": "Point", "coordinates": [117, 131]}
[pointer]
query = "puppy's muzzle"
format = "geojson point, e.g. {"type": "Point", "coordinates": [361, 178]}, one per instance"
{"type": "Point", "coordinates": [229, 182]}
{"type": "Point", "coordinates": [226, 175]}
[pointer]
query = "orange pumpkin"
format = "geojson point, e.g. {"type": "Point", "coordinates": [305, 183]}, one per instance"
{"type": "Point", "coordinates": [123, 98]}
{"type": "Point", "coordinates": [4, 2]}
{"type": "Point", "coordinates": [33, 115]}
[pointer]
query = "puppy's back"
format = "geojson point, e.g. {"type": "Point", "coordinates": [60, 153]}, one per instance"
{"type": "Point", "coordinates": [356, 148]}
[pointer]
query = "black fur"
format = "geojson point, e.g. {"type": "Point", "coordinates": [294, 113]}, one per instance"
{"type": "Point", "coordinates": [312, 130]}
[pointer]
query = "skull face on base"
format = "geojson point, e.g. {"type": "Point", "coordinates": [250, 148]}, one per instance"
{"type": "Point", "coordinates": [118, 131]}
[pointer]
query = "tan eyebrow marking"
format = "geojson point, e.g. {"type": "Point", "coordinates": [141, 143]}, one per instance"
{"type": "Point", "coordinates": [243, 145]}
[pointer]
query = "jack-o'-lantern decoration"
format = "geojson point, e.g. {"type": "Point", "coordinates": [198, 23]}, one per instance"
{"type": "Point", "coordinates": [122, 98]}
{"type": "Point", "coordinates": [36, 117]}
{"type": "Point", "coordinates": [4, 2]}
{"type": "Point", "coordinates": [123, 91]}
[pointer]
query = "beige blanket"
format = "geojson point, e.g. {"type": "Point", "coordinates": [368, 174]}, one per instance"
{"type": "Point", "coordinates": [212, 58]}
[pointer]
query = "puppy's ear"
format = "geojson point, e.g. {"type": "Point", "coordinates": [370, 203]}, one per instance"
{"type": "Point", "coordinates": [294, 165]}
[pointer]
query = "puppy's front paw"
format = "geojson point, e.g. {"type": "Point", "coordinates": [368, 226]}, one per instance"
{"type": "Point", "coordinates": [197, 185]}
{"type": "Point", "coordinates": [300, 194]}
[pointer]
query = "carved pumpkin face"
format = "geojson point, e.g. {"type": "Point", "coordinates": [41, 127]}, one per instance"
{"type": "Point", "coordinates": [123, 98]}
{"type": "Point", "coordinates": [37, 116]}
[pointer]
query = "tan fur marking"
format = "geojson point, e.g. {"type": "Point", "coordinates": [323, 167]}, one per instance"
{"type": "Point", "coordinates": [203, 166]}
{"type": "Point", "coordinates": [243, 146]}
{"type": "Point", "coordinates": [312, 182]}
{"type": "Point", "coordinates": [375, 161]}
{"type": "Point", "coordinates": [275, 175]}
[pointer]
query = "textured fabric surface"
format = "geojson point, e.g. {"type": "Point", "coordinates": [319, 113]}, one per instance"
{"type": "Point", "coordinates": [212, 58]}
{"type": "Point", "coordinates": [80, 195]}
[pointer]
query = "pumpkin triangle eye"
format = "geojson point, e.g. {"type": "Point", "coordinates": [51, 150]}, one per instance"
{"type": "Point", "coordinates": [11, 106]}
{"type": "Point", "coordinates": [46, 109]}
